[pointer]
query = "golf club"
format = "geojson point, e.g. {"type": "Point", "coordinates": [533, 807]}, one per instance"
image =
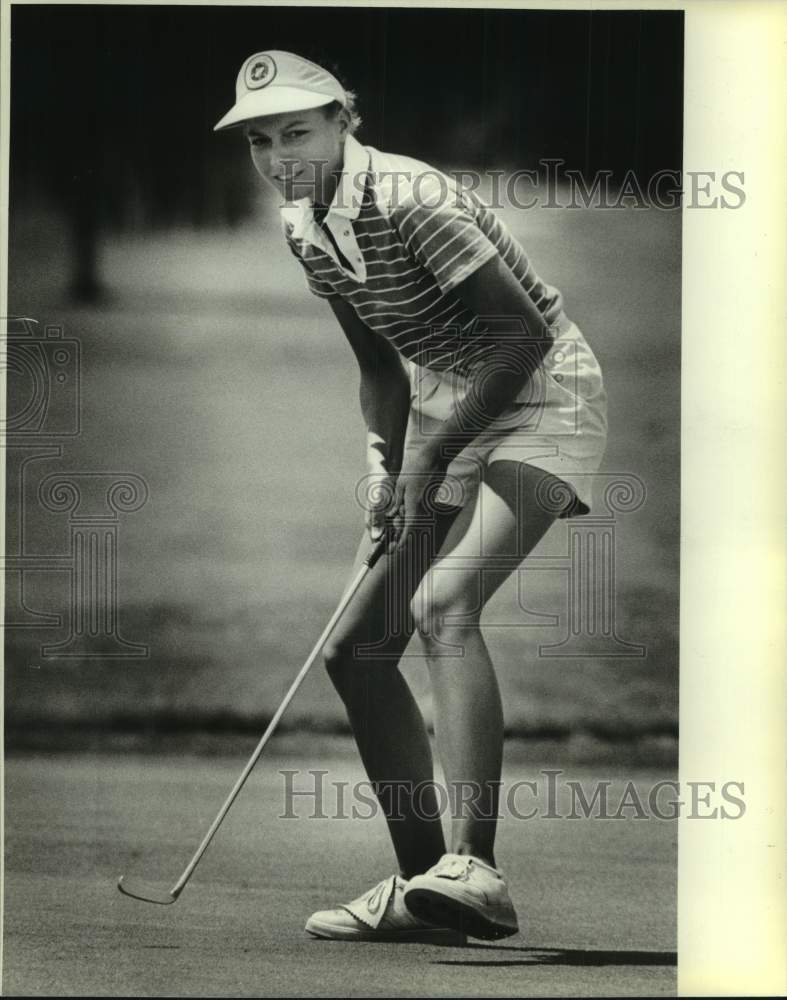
{"type": "Point", "coordinates": [150, 894]}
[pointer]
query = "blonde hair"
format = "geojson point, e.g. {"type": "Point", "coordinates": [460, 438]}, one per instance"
{"type": "Point", "coordinates": [351, 107]}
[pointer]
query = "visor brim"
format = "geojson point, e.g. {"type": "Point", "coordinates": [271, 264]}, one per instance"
{"type": "Point", "coordinates": [272, 101]}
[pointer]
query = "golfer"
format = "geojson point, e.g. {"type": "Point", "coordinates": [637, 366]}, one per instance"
{"type": "Point", "coordinates": [486, 418]}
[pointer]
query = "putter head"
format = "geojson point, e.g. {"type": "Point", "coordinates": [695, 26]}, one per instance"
{"type": "Point", "coordinates": [144, 891]}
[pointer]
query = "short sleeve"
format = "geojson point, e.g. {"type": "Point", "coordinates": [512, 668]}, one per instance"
{"type": "Point", "coordinates": [322, 289]}
{"type": "Point", "coordinates": [439, 226]}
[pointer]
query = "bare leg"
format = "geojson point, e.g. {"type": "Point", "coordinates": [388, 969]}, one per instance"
{"type": "Point", "coordinates": [447, 609]}
{"type": "Point", "coordinates": [469, 729]}
{"type": "Point", "coordinates": [388, 726]}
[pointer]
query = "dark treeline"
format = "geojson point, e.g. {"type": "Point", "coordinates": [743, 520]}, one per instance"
{"type": "Point", "coordinates": [113, 107]}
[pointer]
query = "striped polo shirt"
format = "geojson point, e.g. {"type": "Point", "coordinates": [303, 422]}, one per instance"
{"type": "Point", "coordinates": [411, 235]}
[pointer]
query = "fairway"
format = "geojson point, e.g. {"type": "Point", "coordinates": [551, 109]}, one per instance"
{"type": "Point", "coordinates": [596, 898]}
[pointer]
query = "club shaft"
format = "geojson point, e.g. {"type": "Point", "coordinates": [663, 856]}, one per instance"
{"type": "Point", "coordinates": [348, 596]}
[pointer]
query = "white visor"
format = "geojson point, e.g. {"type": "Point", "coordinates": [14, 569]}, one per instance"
{"type": "Point", "coordinates": [273, 83]}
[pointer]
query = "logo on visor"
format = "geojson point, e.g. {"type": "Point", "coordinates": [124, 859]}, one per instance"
{"type": "Point", "coordinates": [259, 73]}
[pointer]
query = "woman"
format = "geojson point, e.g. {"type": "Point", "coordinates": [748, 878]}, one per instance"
{"type": "Point", "coordinates": [486, 418]}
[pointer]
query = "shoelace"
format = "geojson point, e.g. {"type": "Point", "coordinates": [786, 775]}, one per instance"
{"type": "Point", "coordinates": [458, 866]}
{"type": "Point", "coordinates": [453, 867]}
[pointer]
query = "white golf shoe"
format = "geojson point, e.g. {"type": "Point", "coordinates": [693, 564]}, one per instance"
{"type": "Point", "coordinates": [465, 893]}
{"type": "Point", "coordinates": [379, 915]}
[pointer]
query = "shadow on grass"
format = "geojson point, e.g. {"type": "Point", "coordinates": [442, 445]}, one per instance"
{"type": "Point", "coordinates": [563, 956]}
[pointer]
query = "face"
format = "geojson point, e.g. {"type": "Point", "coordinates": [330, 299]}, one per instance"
{"type": "Point", "coordinates": [299, 153]}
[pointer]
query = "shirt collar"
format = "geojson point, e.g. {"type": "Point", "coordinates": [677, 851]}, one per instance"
{"type": "Point", "coordinates": [349, 194]}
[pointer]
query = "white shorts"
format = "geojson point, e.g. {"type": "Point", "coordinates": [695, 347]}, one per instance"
{"type": "Point", "coordinates": [557, 423]}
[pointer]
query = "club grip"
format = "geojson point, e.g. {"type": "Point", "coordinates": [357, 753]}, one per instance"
{"type": "Point", "coordinates": [376, 552]}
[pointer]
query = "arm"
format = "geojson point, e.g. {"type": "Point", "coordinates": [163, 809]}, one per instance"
{"type": "Point", "coordinates": [445, 235]}
{"type": "Point", "coordinates": [384, 390]}
{"type": "Point", "coordinates": [516, 339]}
{"type": "Point", "coordinates": [385, 405]}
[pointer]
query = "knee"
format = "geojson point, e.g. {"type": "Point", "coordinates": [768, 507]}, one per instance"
{"type": "Point", "coordinates": [362, 684]}
{"type": "Point", "coordinates": [337, 655]}
{"type": "Point", "coordinates": [439, 614]}
{"type": "Point", "coordinates": [345, 663]}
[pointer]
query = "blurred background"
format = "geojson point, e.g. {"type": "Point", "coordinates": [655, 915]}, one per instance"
{"type": "Point", "coordinates": [207, 370]}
